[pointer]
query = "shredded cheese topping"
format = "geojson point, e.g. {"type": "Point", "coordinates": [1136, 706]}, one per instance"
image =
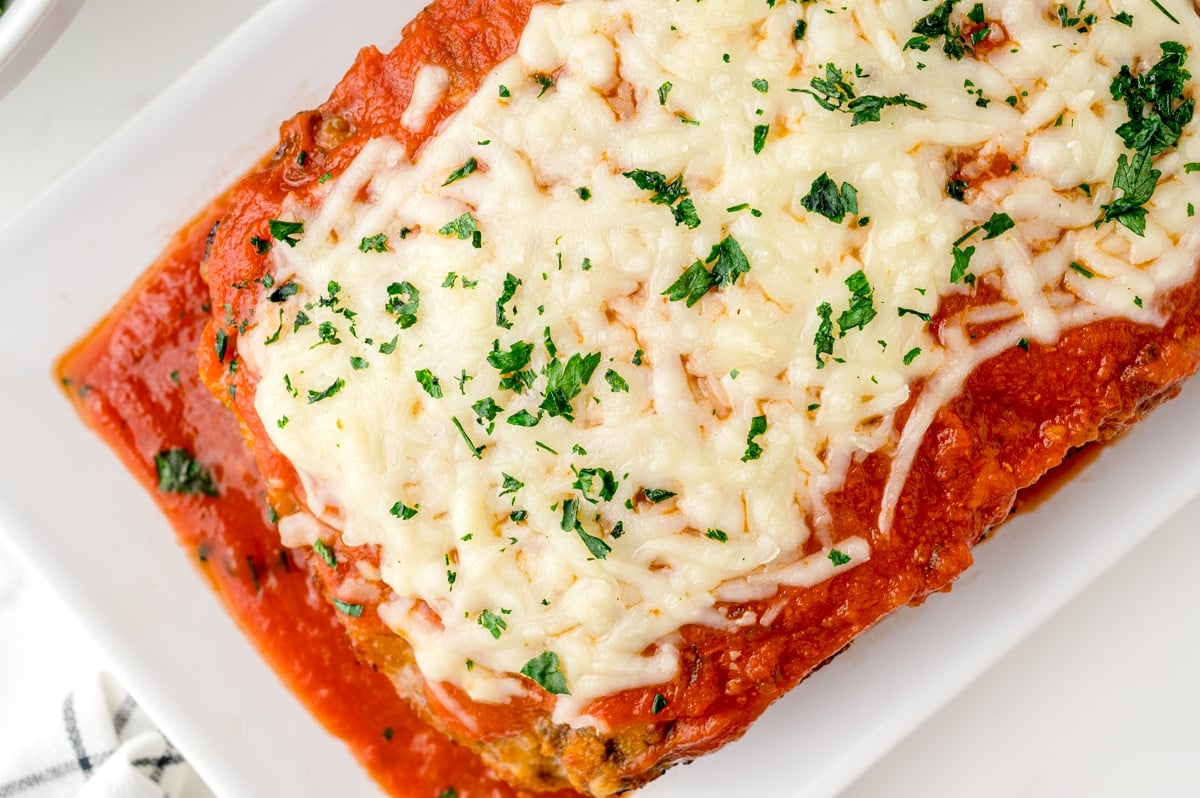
{"type": "Point", "coordinates": [588, 365]}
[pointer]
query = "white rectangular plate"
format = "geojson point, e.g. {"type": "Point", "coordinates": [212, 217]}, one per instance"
{"type": "Point", "coordinates": [100, 541]}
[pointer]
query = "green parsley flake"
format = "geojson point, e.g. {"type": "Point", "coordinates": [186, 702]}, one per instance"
{"type": "Point", "coordinates": [959, 272]}
{"type": "Point", "coordinates": [616, 382]}
{"type": "Point", "coordinates": [673, 194]}
{"type": "Point", "coordinates": [403, 511]}
{"type": "Point", "coordinates": [317, 396]}
{"type": "Point", "coordinates": [758, 426]}
{"type": "Point", "coordinates": [375, 243]}
{"type": "Point", "coordinates": [178, 472]}
{"type": "Point", "coordinates": [283, 292]}
{"type": "Point", "coordinates": [835, 92]}
{"type": "Point", "coordinates": [1082, 270]}
{"type": "Point", "coordinates": [544, 670]}
{"type": "Point", "coordinates": [463, 228]}
{"type": "Point", "coordinates": [325, 552]}
{"type": "Point", "coordinates": [285, 231]}
{"type": "Point", "coordinates": [511, 485]}
{"type": "Point", "coordinates": [838, 558]}
{"type": "Point", "coordinates": [862, 304]}
{"type": "Point", "coordinates": [565, 381]}
{"type": "Point", "coordinates": [823, 340]}
{"type": "Point", "coordinates": [760, 137]}
{"type": "Point", "coordinates": [657, 496]}
{"type": "Point", "coordinates": [826, 199]}
{"type": "Point", "coordinates": [718, 535]}
{"type": "Point", "coordinates": [507, 293]}
{"type": "Point", "coordinates": [596, 484]}
{"type": "Point", "coordinates": [429, 382]}
{"type": "Point", "coordinates": [728, 262]}
{"type": "Point", "coordinates": [458, 174]}
{"type": "Point", "coordinates": [476, 451]}
{"type": "Point", "coordinates": [353, 610]}
{"type": "Point", "coordinates": [492, 622]}
{"type": "Point", "coordinates": [403, 302]}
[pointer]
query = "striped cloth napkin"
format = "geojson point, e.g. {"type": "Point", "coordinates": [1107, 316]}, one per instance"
{"type": "Point", "coordinates": [96, 743]}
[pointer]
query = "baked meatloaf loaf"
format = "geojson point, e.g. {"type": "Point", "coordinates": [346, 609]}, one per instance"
{"type": "Point", "coordinates": [624, 359]}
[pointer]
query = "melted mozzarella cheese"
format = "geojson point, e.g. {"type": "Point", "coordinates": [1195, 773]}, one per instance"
{"type": "Point", "coordinates": [518, 229]}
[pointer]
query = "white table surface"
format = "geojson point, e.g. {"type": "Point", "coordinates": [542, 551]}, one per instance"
{"type": "Point", "coordinates": [1103, 700]}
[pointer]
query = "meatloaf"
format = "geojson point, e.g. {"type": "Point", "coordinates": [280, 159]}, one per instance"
{"type": "Point", "coordinates": [623, 360]}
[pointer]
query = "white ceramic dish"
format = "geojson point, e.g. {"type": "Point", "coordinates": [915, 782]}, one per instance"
{"type": "Point", "coordinates": [99, 540]}
{"type": "Point", "coordinates": [27, 29]}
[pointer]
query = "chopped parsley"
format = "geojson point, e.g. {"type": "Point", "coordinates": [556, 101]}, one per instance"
{"type": "Point", "coordinates": [862, 304]}
{"type": "Point", "coordinates": [1157, 114]}
{"type": "Point", "coordinates": [957, 39]}
{"type": "Point", "coordinates": [283, 292]}
{"type": "Point", "coordinates": [375, 243]}
{"type": "Point", "coordinates": [838, 558]}
{"type": "Point", "coordinates": [595, 484]}
{"type": "Point", "coordinates": [825, 198]}
{"type": "Point", "coordinates": [664, 91]}
{"type": "Point", "coordinates": [507, 293]}
{"type": "Point", "coordinates": [285, 231]}
{"type": "Point", "coordinates": [728, 262]}
{"type": "Point", "coordinates": [960, 270]}
{"type": "Point", "coordinates": [458, 174]}
{"type": "Point", "coordinates": [835, 92]}
{"type": "Point", "coordinates": [543, 80]}
{"type": "Point", "coordinates": [403, 301]}
{"type": "Point", "coordinates": [511, 485]}
{"type": "Point", "coordinates": [823, 340]}
{"type": "Point", "coordinates": [758, 426]}
{"type": "Point", "coordinates": [403, 511]}
{"type": "Point", "coordinates": [564, 381]}
{"type": "Point", "coordinates": [178, 472]}
{"type": "Point", "coordinates": [492, 622]}
{"type": "Point", "coordinates": [718, 535]}
{"type": "Point", "coordinates": [353, 610]}
{"type": "Point", "coordinates": [673, 194]}
{"type": "Point", "coordinates": [463, 227]}
{"type": "Point", "coordinates": [659, 703]}
{"type": "Point", "coordinates": [570, 523]}
{"type": "Point", "coordinates": [514, 359]}
{"type": "Point", "coordinates": [544, 669]}
{"type": "Point", "coordinates": [616, 382]}
{"type": "Point", "coordinates": [486, 411]}
{"type": "Point", "coordinates": [317, 396]}
{"type": "Point", "coordinates": [657, 496]}
{"type": "Point", "coordinates": [476, 451]}
{"type": "Point", "coordinates": [429, 382]}
{"type": "Point", "coordinates": [325, 552]}
{"type": "Point", "coordinates": [1082, 270]}
{"type": "Point", "coordinates": [760, 137]}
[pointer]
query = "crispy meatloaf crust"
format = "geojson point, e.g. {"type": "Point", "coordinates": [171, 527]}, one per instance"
{"type": "Point", "coordinates": [1019, 415]}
